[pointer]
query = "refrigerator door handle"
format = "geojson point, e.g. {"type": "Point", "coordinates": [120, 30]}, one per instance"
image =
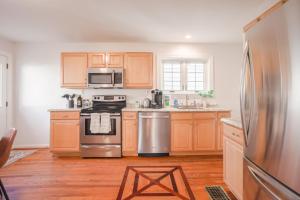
{"type": "Point", "coordinates": [246, 76]}
{"type": "Point", "coordinates": [274, 188]}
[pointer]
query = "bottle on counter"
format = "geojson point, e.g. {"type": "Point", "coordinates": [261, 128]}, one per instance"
{"type": "Point", "coordinates": [175, 103]}
{"type": "Point", "coordinates": [167, 101]}
{"type": "Point", "coordinates": [79, 102]}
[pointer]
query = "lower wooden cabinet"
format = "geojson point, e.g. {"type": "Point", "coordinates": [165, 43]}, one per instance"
{"type": "Point", "coordinates": [205, 134]}
{"type": "Point", "coordinates": [65, 132]}
{"type": "Point", "coordinates": [129, 133]}
{"type": "Point", "coordinates": [195, 132]}
{"type": "Point", "coordinates": [192, 133]}
{"type": "Point", "coordinates": [182, 135]}
{"type": "Point", "coordinates": [220, 129]}
{"type": "Point", "coordinates": [233, 160]}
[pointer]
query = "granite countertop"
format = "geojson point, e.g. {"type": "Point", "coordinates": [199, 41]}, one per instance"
{"type": "Point", "coordinates": [233, 122]}
{"type": "Point", "coordinates": [212, 109]}
{"type": "Point", "coordinates": [65, 110]}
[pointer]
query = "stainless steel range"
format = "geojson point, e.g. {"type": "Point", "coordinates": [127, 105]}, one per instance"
{"type": "Point", "coordinates": [102, 143]}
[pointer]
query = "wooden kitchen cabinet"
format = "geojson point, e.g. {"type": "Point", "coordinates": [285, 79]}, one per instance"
{"type": "Point", "coordinates": [138, 70]}
{"type": "Point", "coordinates": [64, 132]}
{"type": "Point", "coordinates": [129, 133]}
{"type": "Point", "coordinates": [74, 70]}
{"type": "Point", "coordinates": [220, 129]}
{"type": "Point", "coordinates": [233, 159]}
{"type": "Point", "coordinates": [195, 133]}
{"type": "Point", "coordinates": [181, 135]}
{"type": "Point", "coordinates": [115, 59]}
{"type": "Point", "coordinates": [204, 134]}
{"type": "Point", "coordinates": [97, 59]}
{"type": "Point", "coordinates": [102, 59]}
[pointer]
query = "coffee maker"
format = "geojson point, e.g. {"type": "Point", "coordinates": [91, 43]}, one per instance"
{"type": "Point", "coordinates": [157, 99]}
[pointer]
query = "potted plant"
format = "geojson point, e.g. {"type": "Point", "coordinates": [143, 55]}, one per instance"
{"type": "Point", "coordinates": [206, 94]}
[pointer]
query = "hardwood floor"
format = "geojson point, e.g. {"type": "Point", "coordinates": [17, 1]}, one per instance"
{"type": "Point", "coordinates": [42, 176]}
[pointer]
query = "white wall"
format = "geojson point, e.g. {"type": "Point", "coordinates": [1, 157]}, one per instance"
{"type": "Point", "coordinates": [7, 50]}
{"type": "Point", "coordinates": [38, 79]}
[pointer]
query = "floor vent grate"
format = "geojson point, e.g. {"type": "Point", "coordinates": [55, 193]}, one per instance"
{"type": "Point", "coordinates": [216, 193]}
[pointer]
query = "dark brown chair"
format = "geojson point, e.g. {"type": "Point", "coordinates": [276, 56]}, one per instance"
{"type": "Point", "coordinates": [5, 147]}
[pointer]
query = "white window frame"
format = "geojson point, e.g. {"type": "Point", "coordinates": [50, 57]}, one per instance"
{"type": "Point", "coordinates": [208, 79]}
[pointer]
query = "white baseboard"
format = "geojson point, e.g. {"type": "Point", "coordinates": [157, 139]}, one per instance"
{"type": "Point", "coordinates": [34, 146]}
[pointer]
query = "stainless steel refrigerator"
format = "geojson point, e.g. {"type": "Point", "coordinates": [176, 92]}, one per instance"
{"type": "Point", "coordinates": [270, 106]}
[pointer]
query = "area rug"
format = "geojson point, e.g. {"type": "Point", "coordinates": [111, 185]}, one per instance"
{"type": "Point", "coordinates": [151, 182]}
{"type": "Point", "coordinates": [17, 155]}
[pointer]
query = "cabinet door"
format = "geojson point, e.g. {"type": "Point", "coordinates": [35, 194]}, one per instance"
{"type": "Point", "coordinates": [181, 135]}
{"type": "Point", "coordinates": [220, 129]}
{"type": "Point", "coordinates": [115, 60]}
{"type": "Point", "coordinates": [129, 139]}
{"type": "Point", "coordinates": [73, 70]}
{"type": "Point", "coordinates": [138, 70]}
{"type": "Point", "coordinates": [204, 134]}
{"type": "Point", "coordinates": [64, 136]}
{"type": "Point", "coordinates": [97, 59]}
{"type": "Point", "coordinates": [233, 166]}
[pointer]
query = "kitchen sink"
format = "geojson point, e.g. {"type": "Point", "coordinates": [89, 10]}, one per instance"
{"type": "Point", "coordinates": [189, 107]}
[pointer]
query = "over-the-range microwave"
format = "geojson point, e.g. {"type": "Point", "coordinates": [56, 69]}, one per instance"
{"type": "Point", "coordinates": [105, 77]}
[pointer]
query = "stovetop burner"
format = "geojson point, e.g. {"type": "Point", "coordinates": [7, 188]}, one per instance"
{"type": "Point", "coordinates": [105, 103]}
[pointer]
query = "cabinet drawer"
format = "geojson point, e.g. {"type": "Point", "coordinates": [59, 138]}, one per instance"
{"type": "Point", "coordinates": [233, 133]}
{"type": "Point", "coordinates": [181, 115]}
{"type": "Point", "coordinates": [65, 115]}
{"type": "Point", "coordinates": [223, 114]}
{"type": "Point", "coordinates": [129, 115]}
{"type": "Point", "coordinates": [205, 115]}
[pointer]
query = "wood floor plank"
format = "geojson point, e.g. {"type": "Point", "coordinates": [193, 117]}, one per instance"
{"type": "Point", "coordinates": [42, 176]}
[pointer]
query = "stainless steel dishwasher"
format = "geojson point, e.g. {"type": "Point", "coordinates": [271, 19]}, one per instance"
{"type": "Point", "coordinates": [154, 134]}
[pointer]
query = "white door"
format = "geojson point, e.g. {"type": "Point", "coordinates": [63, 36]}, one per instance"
{"type": "Point", "coordinates": [3, 87]}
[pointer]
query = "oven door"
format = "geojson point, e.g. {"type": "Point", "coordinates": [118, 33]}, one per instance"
{"type": "Point", "coordinates": [113, 137]}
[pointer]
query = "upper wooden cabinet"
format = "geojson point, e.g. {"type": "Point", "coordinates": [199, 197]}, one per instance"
{"type": "Point", "coordinates": [115, 59]}
{"type": "Point", "coordinates": [74, 70]}
{"type": "Point", "coordinates": [97, 59]}
{"type": "Point", "coordinates": [102, 59]}
{"type": "Point", "coordinates": [138, 70]}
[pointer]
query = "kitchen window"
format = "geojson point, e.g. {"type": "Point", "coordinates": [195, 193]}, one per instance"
{"type": "Point", "coordinates": [186, 75]}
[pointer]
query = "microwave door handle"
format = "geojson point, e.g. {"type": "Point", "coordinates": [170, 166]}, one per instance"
{"type": "Point", "coordinates": [113, 77]}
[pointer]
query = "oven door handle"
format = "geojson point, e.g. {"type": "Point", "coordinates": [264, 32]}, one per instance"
{"type": "Point", "coordinates": [89, 115]}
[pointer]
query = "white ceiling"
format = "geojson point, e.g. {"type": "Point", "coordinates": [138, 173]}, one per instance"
{"type": "Point", "coordinates": [207, 21]}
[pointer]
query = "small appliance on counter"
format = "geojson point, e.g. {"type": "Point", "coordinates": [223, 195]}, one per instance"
{"type": "Point", "coordinates": [146, 103]}
{"type": "Point", "coordinates": [157, 99]}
